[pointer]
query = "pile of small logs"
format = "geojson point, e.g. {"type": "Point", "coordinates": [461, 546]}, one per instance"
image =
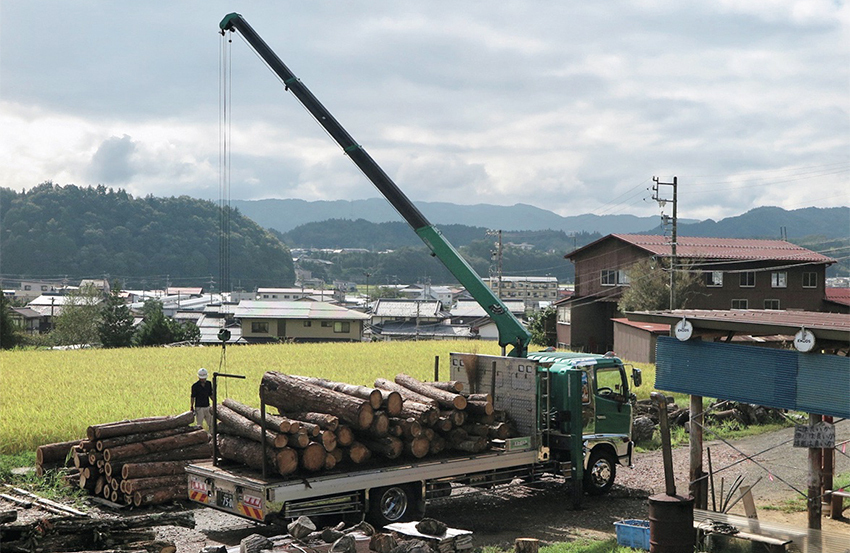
{"type": "Point", "coordinates": [135, 462]}
{"type": "Point", "coordinates": [323, 423]}
{"type": "Point", "coordinates": [75, 533]}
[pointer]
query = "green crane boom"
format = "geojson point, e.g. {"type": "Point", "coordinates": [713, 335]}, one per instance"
{"type": "Point", "coordinates": [511, 332]}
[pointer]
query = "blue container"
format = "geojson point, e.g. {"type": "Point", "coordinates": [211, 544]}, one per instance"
{"type": "Point", "coordinates": [633, 533]}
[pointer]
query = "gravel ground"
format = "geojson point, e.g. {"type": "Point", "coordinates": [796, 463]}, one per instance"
{"type": "Point", "coordinates": [499, 516]}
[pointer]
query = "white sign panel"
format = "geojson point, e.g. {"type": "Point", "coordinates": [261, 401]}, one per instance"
{"type": "Point", "coordinates": [683, 330]}
{"type": "Point", "coordinates": [820, 435]}
{"type": "Point", "coordinates": [804, 340]}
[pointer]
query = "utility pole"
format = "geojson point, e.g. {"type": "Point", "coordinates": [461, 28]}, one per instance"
{"type": "Point", "coordinates": [665, 220]}
{"type": "Point", "coordinates": [498, 261]}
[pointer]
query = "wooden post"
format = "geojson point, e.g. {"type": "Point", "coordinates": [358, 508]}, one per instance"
{"type": "Point", "coordinates": [827, 474]}
{"type": "Point", "coordinates": [436, 368]}
{"type": "Point", "coordinates": [698, 485]}
{"type": "Point", "coordinates": [815, 464]}
{"type": "Point", "coordinates": [526, 545]}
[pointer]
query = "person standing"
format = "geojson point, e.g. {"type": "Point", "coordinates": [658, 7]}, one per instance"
{"type": "Point", "coordinates": [201, 394]}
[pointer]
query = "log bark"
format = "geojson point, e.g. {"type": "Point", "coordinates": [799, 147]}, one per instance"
{"type": "Point", "coordinates": [392, 402]}
{"type": "Point", "coordinates": [475, 429]}
{"type": "Point", "coordinates": [344, 436]}
{"type": "Point", "coordinates": [272, 422]}
{"type": "Point", "coordinates": [388, 447]}
{"type": "Point", "coordinates": [250, 453]}
{"type": "Point", "coordinates": [472, 445]}
{"type": "Point", "coordinates": [157, 496]}
{"type": "Point", "coordinates": [312, 458]}
{"type": "Point", "coordinates": [437, 445]}
{"type": "Point", "coordinates": [479, 407]}
{"type": "Point", "coordinates": [290, 394]}
{"type": "Point", "coordinates": [324, 421]}
{"type": "Point", "coordinates": [198, 437]}
{"type": "Point", "coordinates": [410, 428]}
{"type": "Point", "coordinates": [106, 443]}
{"type": "Point", "coordinates": [256, 543]}
{"type": "Point", "coordinates": [444, 424]}
{"type": "Point", "coordinates": [417, 447]}
{"type": "Point", "coordinates": [458, 418]}
{"type": "Point", "coordinates": [448, 400]}
{"type": "Point", "coordinates": [455, 386]}
{"type": "Point", "coordinates": [54, 453]}
{"type": "Point", "coordinates": [526, 545]}
{"type": "Point", "coordinates": [480, 397]}
{"type": "Point", "coordinates": [153, 482]}
{"type": "Point", "coordinates": [406, 393]}
{"type": "Point", "coordinates": [499, 431]}
{"type": "Point", "coordinates": [358, 453]}
{"type": "Point", "coordinates": [200, 451]}
{"type": "Point", "coordinates": [234, 423]}
{"type": "Point", "coordinates": [299, 441]}
{"type": "Point", "coordinates": [372, 395]}
{"type": "Point", "coordinates": [135, 426]}
{"type": "Point", "coordinates": [456, 436]}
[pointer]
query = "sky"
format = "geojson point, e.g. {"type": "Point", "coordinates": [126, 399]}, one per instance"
{"type": "Point", "coordinates": [569, 106]}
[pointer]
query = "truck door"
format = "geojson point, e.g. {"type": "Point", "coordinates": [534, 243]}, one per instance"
{"type": "Point", "coordinates": [611, 391]}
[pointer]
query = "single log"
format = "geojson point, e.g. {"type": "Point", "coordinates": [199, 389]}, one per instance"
{"type": "Point", "coordinates": [475, 429]}
{"type": "Point", "coordinates": [406, 393]}
{"type": "Point", "coordinates": [86, 483]}
{"type": "Point", "coordinates": [250, 453]}
{"type": "Point", "coordinates": [456, 436]}
{"type": "Point", "coordinates": [328, 440]}
{"type": "Point", "coordinates": [156, 496]}
{"type": "Point", "coordinates": [72, 479]}
{"type": "Point", "coordinates": [81, 459]}
{"type": "Point", "coordinates": [54, 453]}
{"type": "Point", "coordinates": [86, 541]}
{"type": "Point", "coordinates": [372, 395]}
{"type": "Point", "coordinates": [472, 445]}
{"type": "Point", "coordinates": [499, 431]}
{"type": "Point", "coordinates": [380, 424]}
{"type": "Point", "coordinates": [234, 423]}
{"type": "Point", "coordinates": [94, 457]}
{"type": "Point", "coordinates": [272, 422]}
{"type": "Point", "coordinates": [417, 447]}
{"type": "Point", "coordinates": [299, 440]}
{"type": "Point", "coordinates": [458, 418]}
{"type": "Point", "coordinates": [428, 433]}
{"type": "Point", "coordinates": [288, 393]}
{"type": "Point", "coordinates": [437, 445]}
{"type": "Point", "coordinates": [135, 426]}
{"type": "Point", "coordinates": [100, 445]}
{"type": "Point", "coordinates": [358, 453]}
{"type": "Point", "coordinates": [444, 424]}
{"type": "Point", "coordinates": [330, 462]}
{"type": "Point", "coordinates": [344, 436]}
{"type": "Point", "coordinates": [139, 484]}
{"type": "Point", "coordinates": [322, 420]}
{"type": "Point", "coordinates": [426, 414]}
{"type": "Point", "coordinates": [454, 386]}
{"type": "Point", "coordinates": [479, 407]}
{"type": "Point", "coordinates": [158, 546]}
{"type": "Point", "coordinates": [448, 400]}
{"type": "Point", "coordinates": [87, 445]}
{"type": "Point", "coordinates": [338, 454]}
{"type": "Point", "coordinates": [526, 545]}
{"type": "Point", "coordinates": [388, 447]}
{"type": "Point", "coordinates": [431, 527]}
{"type": "Point", "coordinates": [312, 457]}
{"type": "Point", "coordinates": [198, 437]}
{"type": "Point", "coordinates": [392, 402]}
{"type": "Point", "coordinates": [312, 430]}
{"type": "Point", "coordinates": [256, 543]}
{"type": "Point", "coordinates": [395, 430]}
{"type": "Point", "coordinates": [82, 524]}
{"type": "Point", "coordinates": [410, 428]}
{"type": "Point", "coordinates": [99, 484]}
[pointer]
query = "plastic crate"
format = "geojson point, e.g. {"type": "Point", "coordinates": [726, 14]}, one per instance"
{"type": "Point", "coordinates": [633, 533]}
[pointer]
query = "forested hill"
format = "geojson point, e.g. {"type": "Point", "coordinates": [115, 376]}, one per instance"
{"type": "Point", "coordinates": [51, 231]}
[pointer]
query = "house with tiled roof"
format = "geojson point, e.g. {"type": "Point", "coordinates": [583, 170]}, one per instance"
{"type": "Point", "coordinates": [837, 300]}
{"type": "Point", "coordinates": [298, 321]}
{"type": "Point", "coordinates": [735, 274]}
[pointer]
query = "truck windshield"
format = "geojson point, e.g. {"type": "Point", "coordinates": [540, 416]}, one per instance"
{"type": "Point", "coordinates": [611, 381]}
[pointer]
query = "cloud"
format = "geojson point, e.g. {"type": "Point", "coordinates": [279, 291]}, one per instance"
{"type": "Point", "coordinates": [112, 163]}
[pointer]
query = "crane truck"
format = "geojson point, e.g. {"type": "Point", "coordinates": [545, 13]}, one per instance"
{"type": "Point", "coordinates": [572, 411]}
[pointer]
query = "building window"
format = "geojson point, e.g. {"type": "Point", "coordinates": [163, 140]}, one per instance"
{"type": "Point", "coordinates": [27, 287]}
{"type": "Point", "coordinates": [342, 327]}
{"type": "Point", "coordinates": [308, 323]}
{"type": "Point", "coordinates": [612, 277]}
{"type": "Point", "coordinates": [43, 288]}
{"type": "Point", "coordinates": [739, 304]}
{"type": "Point", "coordinates": [265, 296]}
{"type": "Point", "coordinates": [326, 324]}
{"type": "Point", "coordinates": [713, 279]}
{"type": "Point", "coordinates": [771, 304]}
{"type": "Point", "coordinates": [778, 279]}
{"type": "Point", "coordinates": [259, 327]}
{"type": "Point", "coordinates": [748, 279]}
{"type": "Point", "coordinates": [810, 280]}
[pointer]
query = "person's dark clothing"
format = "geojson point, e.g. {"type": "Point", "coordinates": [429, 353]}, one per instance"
{"type": "Point", "coordinates": [202, 392]}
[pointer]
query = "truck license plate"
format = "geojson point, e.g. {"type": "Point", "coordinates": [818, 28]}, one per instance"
{"type": "Point", "coordinates": [224, 499]}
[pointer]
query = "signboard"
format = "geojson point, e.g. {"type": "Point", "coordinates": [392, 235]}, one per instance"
{"type": "Point", "coordinates": [820, 435]}
{"type": "Point", "coordinates": [683, 330]}
{"type": "Point", "coordinates": [804, 340]}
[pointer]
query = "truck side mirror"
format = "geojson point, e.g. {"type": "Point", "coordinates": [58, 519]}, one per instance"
{"type": "Point", "coordinates": [637, 377]}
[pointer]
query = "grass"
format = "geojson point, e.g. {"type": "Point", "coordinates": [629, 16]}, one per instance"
{"type": "Point", "coordinates": [53, 396]}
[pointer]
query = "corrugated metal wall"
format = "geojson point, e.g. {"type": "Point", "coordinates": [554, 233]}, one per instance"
{"type": "Point", "coordinates": [784, 379]}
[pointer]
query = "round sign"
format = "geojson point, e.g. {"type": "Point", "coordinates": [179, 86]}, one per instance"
{"type": "Point", "coordinates": [804, 340]}
{"type": "Point", "coordinates": [683, 330]}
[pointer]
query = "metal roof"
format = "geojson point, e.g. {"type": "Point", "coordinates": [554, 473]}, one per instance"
{"type": "Point", "coordinates": [473, 309]}
{"type": "Point", "coordinates": [657, 328]}
{"type": "Point", "coordinates": [252, 309]}
{"type": "Point", "coordinates": [407, 308]}
{"type": "Point", "coordinates": [692, 247]}
{"type": "Point", "coordinates": [825, 326]}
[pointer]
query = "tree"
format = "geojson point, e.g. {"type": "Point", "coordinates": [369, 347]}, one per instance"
{"type": "Point", "coordinates": [649, 287]}
{"type": "Point", "coordinates": [156, 329]}
{"type": "Point", "coordinates": [116, 322]}
{"type": "Point", "coordinates": [8, 336]}
{"type": "Point", "coordinates": [542, 327]}
{"type": "Point", "coordinates": [78, 320]}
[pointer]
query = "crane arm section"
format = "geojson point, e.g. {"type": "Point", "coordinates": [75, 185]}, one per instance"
{"type": "Point", "coordinates": [511, 332]}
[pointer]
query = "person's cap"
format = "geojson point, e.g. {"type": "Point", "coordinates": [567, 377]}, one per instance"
{"type": "Point", "coordinates": [202, 373]}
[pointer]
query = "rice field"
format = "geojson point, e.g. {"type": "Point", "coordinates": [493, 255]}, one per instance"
{"type": "Point", "coordinates": [52, 396]}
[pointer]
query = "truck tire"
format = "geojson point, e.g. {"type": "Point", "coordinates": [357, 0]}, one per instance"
{"type": "Point", "coordinates": [600, 472]}
{"type": "Point", "coordinates": [393, 504]}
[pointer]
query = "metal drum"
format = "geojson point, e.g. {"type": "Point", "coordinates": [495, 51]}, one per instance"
{"type": "Point", "coordinates": [671, 524]}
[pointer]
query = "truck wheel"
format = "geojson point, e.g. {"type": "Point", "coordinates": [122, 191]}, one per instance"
{"type": "Point", "coordinates": [392, 504]}
{"type": "Point", "coordinates": [600, 472]}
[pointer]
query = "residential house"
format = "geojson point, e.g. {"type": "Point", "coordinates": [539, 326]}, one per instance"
{"type": "Point", "coordinates": [292, 294]}
{"type": "Point", "coordinates": [26, 320]}
{"type": "Point", "coordinates": [836, 300]}
{"type": "Point", "coordinates": [736, 274]}
{"type": "Point", "coordinates": [299, 321]}
{"type": "Point", "coordinates": [31, 289]}
{"type": "Point", "coordinates": [534, 291]}
{"type": "Point", "coordinates": [50, 306]}
{"type": "Point", "coordinates": [443, 294]}
{"type": "Point", "coordinates": [470, 313]}
{"type": "Point", "coordinates": [402, 316]}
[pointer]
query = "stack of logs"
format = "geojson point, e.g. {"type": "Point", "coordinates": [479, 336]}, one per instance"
{"type": "Point", "coordinates": [134, 462]}
{"type": "Point", "coordinates": [323, 423]}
